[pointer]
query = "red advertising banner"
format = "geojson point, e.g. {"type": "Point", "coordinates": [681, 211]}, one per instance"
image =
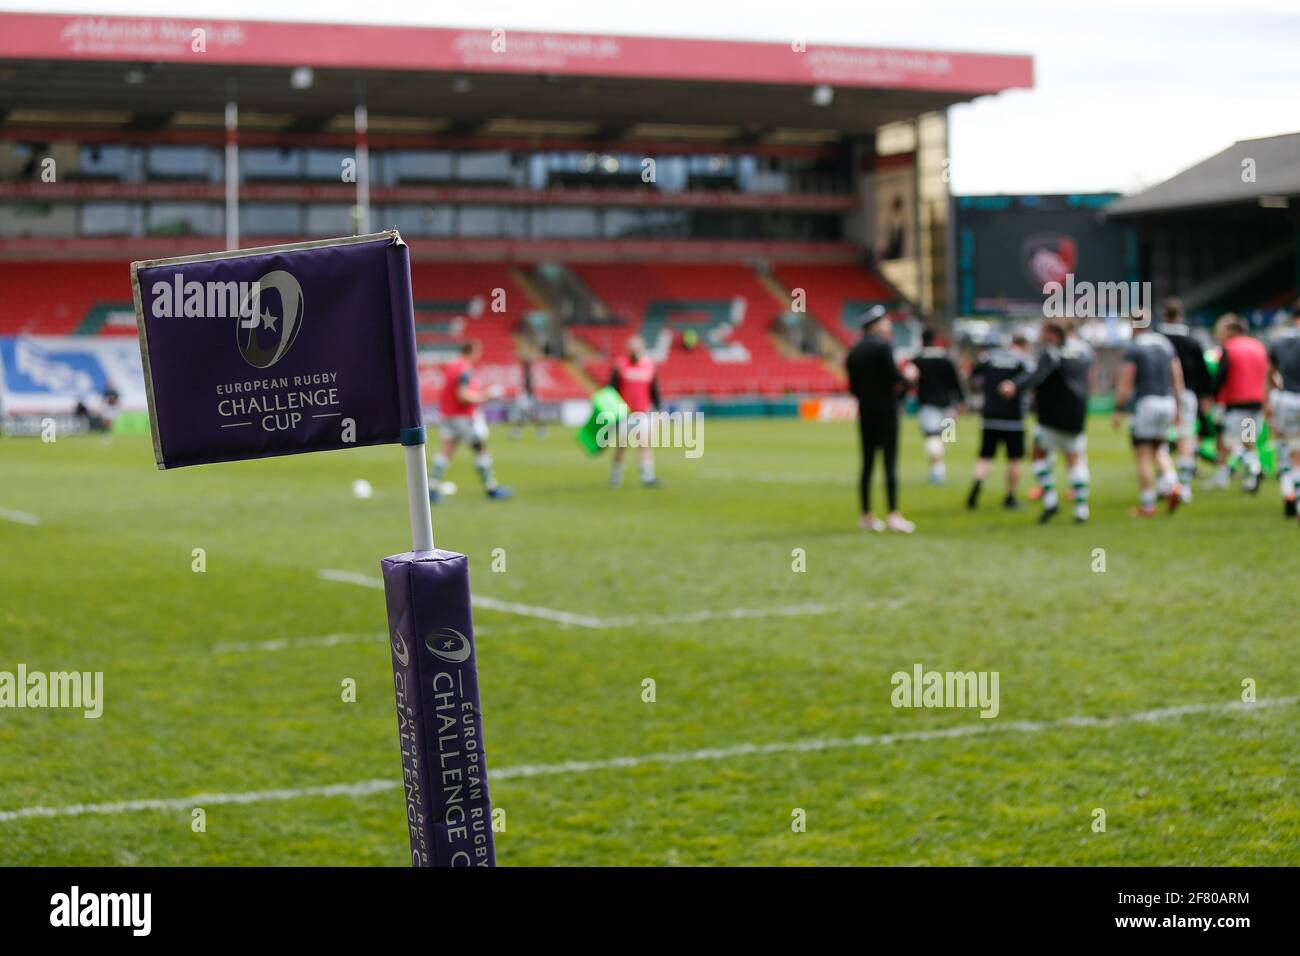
{"type": "Point", "coordinates": [432, 49]}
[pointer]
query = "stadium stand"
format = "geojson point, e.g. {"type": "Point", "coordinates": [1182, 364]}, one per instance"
{"type": "Point", "coordinates": [58, 298]}
{"type": "Point", "coordinates": [729, 309]}
{"type": "Point", "coordinates": [455, 301]}
{"type": "Point", "coordinates": [837, 294]}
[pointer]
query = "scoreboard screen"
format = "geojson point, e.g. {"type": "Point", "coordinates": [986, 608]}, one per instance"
{"type": "Point", "coordinates": [1007, 247]}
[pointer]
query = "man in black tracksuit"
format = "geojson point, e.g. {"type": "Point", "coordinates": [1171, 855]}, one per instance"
{"type": "Point", "coordinates": [876, 382]}
{"type": "Point", "coordinates": [1003, 418]}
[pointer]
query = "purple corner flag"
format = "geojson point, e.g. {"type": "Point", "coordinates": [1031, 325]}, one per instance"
{"type": "Point", "coordinates": [310, 347]}
{"type": "Point", "coordinates": [274, 351]}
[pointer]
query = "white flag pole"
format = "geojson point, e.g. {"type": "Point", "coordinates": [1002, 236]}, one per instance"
{"type": "Point", "coordinates": [232, 174]}
{"type": "Point", "coordinates": [417, 497]}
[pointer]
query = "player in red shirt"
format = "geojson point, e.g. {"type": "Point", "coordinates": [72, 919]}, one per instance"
{"type": "Point", "coordinates": [462, 421]}
{"type": "Point", "coordinates": [1242, 383]}
{"type": "Point", "coordinates": [633, 376]}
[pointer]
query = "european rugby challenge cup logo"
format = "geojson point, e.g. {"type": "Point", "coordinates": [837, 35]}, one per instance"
{"type": "Point", "coordinates": [264, 337]}
{"type": "Point", "coordinates": [448, 645]}
{"type": "Point", "coordinates": [400, 650]}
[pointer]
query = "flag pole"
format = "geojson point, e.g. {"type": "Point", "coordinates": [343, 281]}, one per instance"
{"type": "Point", "coordinates": [417, 494]}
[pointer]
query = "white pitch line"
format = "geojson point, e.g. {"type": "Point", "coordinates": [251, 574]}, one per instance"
{"type": "Point", "coordinates": [19, 517]}
{"type": "Point", "coordinates": [334, 640]}
{"type": "Point", "coordinates": [365, 788]}
{"type": "Point", "coordinates": [532, 610]}
{"type": "Point", "coordinates": [290, 643]}
{"type": "Point", "coordinates": [740, 613]}
{"type": "Point", "coordinates": [808, 745]}
{"type": "Point", "coordinates": [491, 604]}
{"type": "Point", "coordinates": [600, 623]}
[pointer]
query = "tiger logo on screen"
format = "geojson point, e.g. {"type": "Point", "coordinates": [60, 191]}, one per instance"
{"type": "Point", "coordinates": [1048, 257]}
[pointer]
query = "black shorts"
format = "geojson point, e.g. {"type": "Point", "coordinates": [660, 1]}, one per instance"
{"type": "Point", "coordinates": [1013, 439]}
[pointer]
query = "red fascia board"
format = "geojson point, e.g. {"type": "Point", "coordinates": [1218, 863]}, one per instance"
{"type": "Point", "coordinates": [436, 49]}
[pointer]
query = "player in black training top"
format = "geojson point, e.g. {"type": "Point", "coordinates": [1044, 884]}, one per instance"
{"type": "Point", "coordinates": [1283, 406]}
{"type": "Point", "coordinates": [939, 397]}
{"type": "Point", "coordinates": [1061, 382]}
{"type": "Point", "coordinates": [1003, 418]}
{"type": "Point", "coordinates": [1197, 395]}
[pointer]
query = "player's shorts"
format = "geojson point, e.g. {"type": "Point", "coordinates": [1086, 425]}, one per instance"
{"type": "Point", "coordinates": [1240, 423]}
{"type": "Point", "coordinates": [1053, 439]}
{"type": "Point", "coordinates": [1153, 416]}
{"type": "Point", "coordinates": [1190, 408]}
{"type": "Point", "coordinates": [465, 428]}
{"type": "Point", "coordinates": [1013, 439]}
{"type": "Point", "coordinates": [1286, 416]}
{"type": "Point", "coordinates": [931, 419]}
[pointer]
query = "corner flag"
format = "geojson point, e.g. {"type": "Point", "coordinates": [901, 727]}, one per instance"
{"type": "Point", "coordinates": [310, 346]}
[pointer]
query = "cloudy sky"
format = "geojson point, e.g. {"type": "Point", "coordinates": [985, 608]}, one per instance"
{"type": "Point", "coordinates": [1127, 93]}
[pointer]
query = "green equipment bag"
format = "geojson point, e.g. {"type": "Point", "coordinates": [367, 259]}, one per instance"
{"type": "Point", "coordinates": [607, 408]}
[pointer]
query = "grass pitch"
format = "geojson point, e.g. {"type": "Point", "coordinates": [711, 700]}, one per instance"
{"type": "Point", "coordinates": [198, 701]}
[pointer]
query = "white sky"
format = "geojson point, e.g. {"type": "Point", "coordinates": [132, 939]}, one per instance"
{"type": "Point", "coordinates": [1126, 93]}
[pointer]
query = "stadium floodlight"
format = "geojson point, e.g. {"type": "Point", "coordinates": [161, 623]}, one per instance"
{"type": "Point", "coordinates": [302, 78]}
{"type": "Point", "coordinates": [823, 95]}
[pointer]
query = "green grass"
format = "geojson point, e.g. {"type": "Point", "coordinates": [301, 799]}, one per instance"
{"type": "Point", "coordinates": [1187, 608]}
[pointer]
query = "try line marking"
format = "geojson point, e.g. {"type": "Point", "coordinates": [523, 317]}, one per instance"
{"type": "Point", "coordinates": [808, 745]}
{"type": "Point", "coordinates": [19, 517]}
{"type": "Point", "coordinates": [600, 623]}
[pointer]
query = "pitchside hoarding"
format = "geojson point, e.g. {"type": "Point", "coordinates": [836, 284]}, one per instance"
{"type": "Point", "coordinates": [1008, 247]}
{"type": "Point", "coordinates": [50, 374]}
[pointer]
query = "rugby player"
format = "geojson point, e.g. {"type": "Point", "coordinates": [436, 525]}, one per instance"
{"type": "Point", "coordinates": [1060, 381]}
{"type": "Point", "coordinates": [1003, 418]}
{"type": "Point", "coordinates": [524, 409]}
{"type": "Point", "coordinates": [633, 377]}
{"type": "Point", "coordinates": [1196, 397]}
{"type": "Point", "coordinates": [1283, 408]}
{"type": "Point", "coordinates": [1242, 385]}
{"type": "Point", "coordinates": [938, 395]}
{"type": "Point", "coordinates": [462, 421]}
{"type": "Point", "coordinates": [1151, 379]}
